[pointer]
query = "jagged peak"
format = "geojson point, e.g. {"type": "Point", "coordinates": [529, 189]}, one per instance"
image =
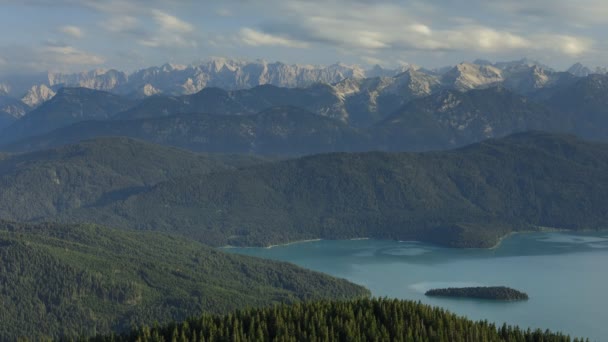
{"type": "Point", "coordinates": [37, 95]}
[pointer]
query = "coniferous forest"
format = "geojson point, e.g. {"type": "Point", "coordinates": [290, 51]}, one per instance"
{"type": "Point", "coordinates": [359, 320]}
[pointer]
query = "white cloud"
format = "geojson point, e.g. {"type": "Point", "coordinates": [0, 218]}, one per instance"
{"type": "Point", "coordinates": [387, 30]}
{"type": "Point", "coordinates": [172, 32]}
{"type": "Point", "coordinates": [171, 23]}
{"type": "Point", "coordinates": [68, 55]}
{"type": "Point", "coordinates": [421, 28]}
{"type": "Point", "coordinates": [120, 23]}
{"type": "Point", "coordinates": [564, 44]}
{"type": "Point", "coordinates": [372, 60]}
{"type": "Point", "coordinates": [167, 41]}
{"type": "Point", "coordinates": [49, 57]}
{"type": "Point", "coordinates": [73, 31]}
{"type": "Point", "coordinates": [256, 38]}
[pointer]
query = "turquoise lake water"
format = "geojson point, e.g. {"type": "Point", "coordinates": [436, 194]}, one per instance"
{"type": "Point", "coordinates": [565, 275]}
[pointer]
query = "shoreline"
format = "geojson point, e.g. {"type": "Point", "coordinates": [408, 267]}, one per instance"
{"type": "Point", "coordinates": [538, 230]}
{"type": "Point", "coordinates": [495, 246]}
{"type": "Point", "coordinates": [292, 243]}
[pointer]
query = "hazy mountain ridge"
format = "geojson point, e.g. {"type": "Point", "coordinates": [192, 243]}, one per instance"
{"type": "Point", "coordinates": [11, 109]}
{"type": "Point", "coordinates": [285, 131]}
{"type": "Point", "coordinates": [68, 106]}
{"type": "Point", "coordinates": [320, 119]}
{"type": "Point", "coordinates": [37, 95]}
{"type": "Point", "coordinates": [229, 74]}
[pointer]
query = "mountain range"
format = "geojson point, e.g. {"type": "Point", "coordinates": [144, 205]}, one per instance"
{"type": "Point", "coordinates": [353, 115]}
{"type": "Point", "coordinates": [173, 79]}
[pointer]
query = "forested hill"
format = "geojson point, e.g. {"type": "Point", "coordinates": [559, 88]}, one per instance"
{"type": "Point", "coordinates": [44, 183]}
{"type": "Point", "coordinates": [59, 280]}
{"type": "Point", "coordinates": [468, 197]}
{"type": "Point", "coordinates": [361, 320]}
{"type": "Point", "coordinates": [463, 198]}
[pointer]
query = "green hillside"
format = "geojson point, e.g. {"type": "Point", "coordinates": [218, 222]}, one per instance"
{"type": "Point", "coordinates": [361, 320]}
{"type": "Point", "coordinates": [62, 280]}
{"type": "Point", "coordinates": [468, 197]}
{"type": "Point", "coordinates": [463, 198]}
{"type": "Point", "coordinates": [45, 183]}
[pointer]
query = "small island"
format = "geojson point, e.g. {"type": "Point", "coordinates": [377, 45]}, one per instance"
{"type": "Point", "coordinates": [488, 292]}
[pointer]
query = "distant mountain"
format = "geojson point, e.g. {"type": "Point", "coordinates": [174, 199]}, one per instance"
{"type": "Point", "coordinates": [68, 282]}
{"type": "Point", "coordinates": [275, 131]}
{"type": "Point", "coordinates": [37, 95]}
{"type": "Point", "coordinates": [467, 76]}
{"type": "Point", "coordinates": [11, 109]}
{"type": "Point", "coordinates": [522, 76]}
{"type": "Point", "coordinates": [99, 79]}
{"type": "Point", "coordinates": [586, 103]}
{"type": "Point", "coordinates": [370, 100]}
{"type": "Point", "coordinates": [4, 89]}
{"type": "Point", "coordinates": [320, 99]}
{"type": "Point", "coordinates": [580, 70]}
{"type": "Point", "coordinates": [463, 198]}
{"type": "Point", "coordinates": [451, 118]}
{"type": "Point", "coordinates": [68, 106]}
{"type": "Point", "coordinates": [173, 79]}
{"type": "Point", "coordinates": [233, 74]}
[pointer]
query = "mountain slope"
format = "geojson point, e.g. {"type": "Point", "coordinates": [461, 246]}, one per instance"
{"type": "Point", "coordinates": [319, 99]}
{"type": "Point", "coordinates": [68, 106]}
{"type": "Point", "coordinates": [37, 95]}
{"type": "Point", "coordinates": [586, 103]}
{"type": "Point", "coordinates": [11, 110]}
{"type": "Point", "coordinates": [60, 281]}
{"type": "Point", "coordinates": [462, 198]}
{"type": "Point", "coordinates": [370, 100]}
{"type": "Point", "coordinates": [451, 118]}
{"type": "Point", "coordinates": [276, 131]}
{"type": "Point", "coordinates": [44, 183]}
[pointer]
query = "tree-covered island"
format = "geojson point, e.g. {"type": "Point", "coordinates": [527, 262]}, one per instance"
{"type": "Point", "coordinates": [485, 292]}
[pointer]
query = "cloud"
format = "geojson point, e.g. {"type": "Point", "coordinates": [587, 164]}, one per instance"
{"type": "Point", "coordinates": [372, 60]}
{"type": "Point", "coordinates": [72, 31]}
{"type": "Point", "coordinates": [564, 44]}
{"type": "Point", "coordinates": [563, 12]}
{"type": "Point", "coordinates": [255, 38]}
{"type": "Point", "coordinates": [430, 33]}
{"type": "Point", "coordinates": [68, 55]}
{"type": "Point", "coordinates": [120, 24]}
{"type": "Point", "coordinates": [171, 32]}
{"type": "Point", "coordinates": [171, 23]}
{"type": "Point", "coordinates": [54, 56]}
{"type": "Point", "coordinates": [167, 41]}
{"type": "Point", "coordinates": [386, 29]}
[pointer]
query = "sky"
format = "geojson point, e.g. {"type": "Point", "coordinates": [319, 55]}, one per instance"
{"type": "Point", "coordinates": [78, 35]}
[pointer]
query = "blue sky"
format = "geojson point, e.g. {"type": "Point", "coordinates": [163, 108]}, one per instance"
{"type": "Point", "coordinates": [76, 35]}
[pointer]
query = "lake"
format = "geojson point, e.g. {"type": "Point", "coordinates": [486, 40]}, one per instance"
{"type": "Point", "coordinates": [565, 275]}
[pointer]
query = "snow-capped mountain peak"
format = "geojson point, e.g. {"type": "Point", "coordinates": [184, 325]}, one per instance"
{"type": "Point", "coordinates": [37, 95]}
